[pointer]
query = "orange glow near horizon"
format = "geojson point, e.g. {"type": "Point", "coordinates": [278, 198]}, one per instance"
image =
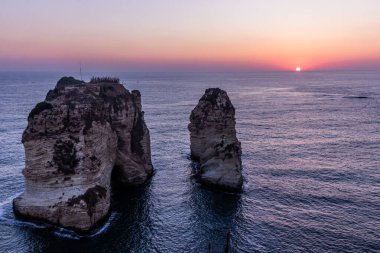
{"type": "Point", "coordinates": [315, 36]}
{"type": "Point", "coordinates": [264, 54]}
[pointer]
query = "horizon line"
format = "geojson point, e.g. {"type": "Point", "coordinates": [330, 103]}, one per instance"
{"type": "Point", "coordinates": [193, 71]}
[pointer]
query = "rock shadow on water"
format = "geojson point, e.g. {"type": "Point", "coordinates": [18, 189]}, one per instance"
{"type": "Point", "coordinates": [214, 216]}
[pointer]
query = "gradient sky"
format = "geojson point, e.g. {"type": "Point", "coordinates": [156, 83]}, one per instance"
{"type": "Point", "coordinates": [194, 35]}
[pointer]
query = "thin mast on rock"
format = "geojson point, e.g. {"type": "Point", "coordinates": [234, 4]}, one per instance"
{"type": "Point", "coordinates": [80, 71]}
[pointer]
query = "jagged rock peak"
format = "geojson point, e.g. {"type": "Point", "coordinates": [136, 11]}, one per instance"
{"type": "Point", "coordinates": [68, 81]}
{"type": "Point", "coordinates": [218, 98]}
{"type": "Point", "coordinates": [213, 141]}
{"type": "Point", "coordinates": [74, 140]}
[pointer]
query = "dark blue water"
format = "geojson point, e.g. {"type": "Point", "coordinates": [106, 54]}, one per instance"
{"type": "Point", "coordinates": [311, 157]}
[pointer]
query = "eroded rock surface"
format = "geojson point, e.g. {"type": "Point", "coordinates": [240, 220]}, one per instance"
{"type": "Point", "coordinates": [73, 142]}
{"type": "Point", "coordinates": [214, 143]}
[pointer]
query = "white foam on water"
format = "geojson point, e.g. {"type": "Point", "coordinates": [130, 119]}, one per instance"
{"type": "Point", "coordinates": [67, 233]}
{"type": "Point", "coordinates": [105, 226]}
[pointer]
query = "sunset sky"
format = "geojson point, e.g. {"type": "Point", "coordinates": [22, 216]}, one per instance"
{"type": "Point", "coordinates": [189, 35]}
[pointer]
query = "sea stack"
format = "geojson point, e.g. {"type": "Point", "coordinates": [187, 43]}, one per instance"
{"type": "Point", "coordinates": [74, 140]}
{"type": "Point", "coordinates": [214, 143]}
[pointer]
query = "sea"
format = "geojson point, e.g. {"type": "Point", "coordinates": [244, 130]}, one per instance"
{"type": "Point", "coordinates": [311, 165]}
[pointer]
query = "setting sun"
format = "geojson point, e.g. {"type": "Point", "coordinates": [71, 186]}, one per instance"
{"type": "Point", "coordinates": [298, 69]}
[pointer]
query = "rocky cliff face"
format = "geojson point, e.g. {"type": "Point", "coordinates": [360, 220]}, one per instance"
{"type": "Point", "coordinates": [73, 142]}
{"type": "Point", "coordinates": [214, 143]}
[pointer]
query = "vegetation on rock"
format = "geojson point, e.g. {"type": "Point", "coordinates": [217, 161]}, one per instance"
{"type": "Point", "coordinates": [105, 79]}
{"type": "Point", "coordinates": [39, 108]}
{"type": "Point", "coordinates": [68, 80]}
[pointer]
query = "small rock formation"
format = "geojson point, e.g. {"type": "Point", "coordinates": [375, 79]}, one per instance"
{"type": "Point", "coordinates": [214, 143]}
{"type": "Point", "coordinates": [73, 142]}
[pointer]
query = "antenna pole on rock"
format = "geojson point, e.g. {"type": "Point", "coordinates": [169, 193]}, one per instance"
{"type": "Point", "coordinates": [80, 71]}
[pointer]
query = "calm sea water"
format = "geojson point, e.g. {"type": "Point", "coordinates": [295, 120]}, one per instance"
{"type": "Point", "coordinates": [311, 158]}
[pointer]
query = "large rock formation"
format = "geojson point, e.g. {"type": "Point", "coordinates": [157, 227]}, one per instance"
{"type": "Point", "coordinates": [214, 143]}
{"type": "Point", "coordinates": [73, 142]}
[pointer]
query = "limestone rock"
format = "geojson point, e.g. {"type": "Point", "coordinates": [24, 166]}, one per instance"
{"type": "Point", "coordinates": [214, 143]}
{"type": "Point", "coordinates": [73, 142]}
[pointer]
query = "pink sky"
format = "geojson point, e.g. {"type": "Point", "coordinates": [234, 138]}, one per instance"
{"type": "Point", "coordinates": [194, 35]}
